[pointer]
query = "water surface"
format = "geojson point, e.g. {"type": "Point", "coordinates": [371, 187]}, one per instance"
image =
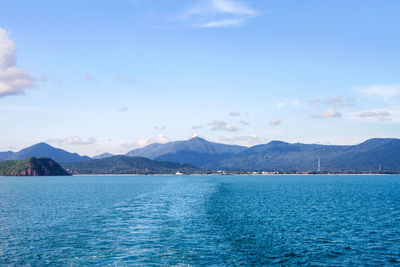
{"type": "Point", "coordinates": [200, 220]}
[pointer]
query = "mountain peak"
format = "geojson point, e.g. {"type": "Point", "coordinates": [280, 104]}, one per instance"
{"type": "Point", "coordinates": [40, 145]}
{"type": "Point", "coordinates": [379, 141]}
{"type": "Point", "coordinates": [197, 139]}
{"type": "Point", "coordinates": [42, 149]}
{"type": "Point", "coordinates": [103, 156]}
{"type": "Point", "coordinates": [190, 151]}
{"type": "Point", "coordinates": [277, 143]}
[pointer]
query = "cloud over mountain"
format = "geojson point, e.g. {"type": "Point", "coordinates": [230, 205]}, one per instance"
{"type": "Point", "coordinates": [160, 138]}
{"type": "Point", "coordinates": [244, 140]}
{"type": "Point", "coordinates": [222, 126]}
{"type": "Point", "coordinates": [73, 140]}
{"type": "Point", "coordinates": [13, 80]}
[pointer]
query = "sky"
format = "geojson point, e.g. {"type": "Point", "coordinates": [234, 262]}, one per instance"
{"type": "Point", "coordinates": [111, 76]}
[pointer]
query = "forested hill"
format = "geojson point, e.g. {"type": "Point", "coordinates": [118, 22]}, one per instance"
{"type": "Point", "coordinates": [31, 167]}
{"type": "Point", "coordinates": [129, 165]}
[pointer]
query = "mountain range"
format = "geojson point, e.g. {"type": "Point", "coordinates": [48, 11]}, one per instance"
{"type": "Point", "coordinates": [43, 150]}
{"type": "Point", "coordinates": [372, 155]}
{"type": "Point", "coordinates": [128, 165]}
{"type": "Point", "coordinates": [196, 151]}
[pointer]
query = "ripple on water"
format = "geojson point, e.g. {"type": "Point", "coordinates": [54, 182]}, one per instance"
{"type": "Point", "coordinates": [285, 220]}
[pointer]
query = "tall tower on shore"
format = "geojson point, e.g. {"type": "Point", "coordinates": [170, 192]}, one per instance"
{"type": "Point", "coordinates": [319, 164]}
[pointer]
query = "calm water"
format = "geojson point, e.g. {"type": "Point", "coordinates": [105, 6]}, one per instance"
{"type": "Point", "coordinates": [200, 220]}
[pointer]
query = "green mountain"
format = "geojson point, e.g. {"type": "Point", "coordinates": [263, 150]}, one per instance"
{"type": "Point", "coordinates": [31, 167]}
{"type": "Point", "coordinates": [195, 151]}
{"type": "Point", "coordinates": [43, 150]}
{"type": "Point", "coordinates": [371, 155]}
{"type": "Point", "coordinates": [103, 156]}
{"type": "Point", "coordinates": [129, 165]}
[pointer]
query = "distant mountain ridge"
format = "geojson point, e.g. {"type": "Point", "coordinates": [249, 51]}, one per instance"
{"type": "Point", "coordinates": [371, 155]}
{"type": "Point", "coordinates": [43, 150]}
{"type": "Point", "coordinates": [103, 156]}
{"type": "Point", "coordinates": [196, 151]}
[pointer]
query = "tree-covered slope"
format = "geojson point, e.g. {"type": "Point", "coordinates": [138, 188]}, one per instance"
{"type": "Point", "coordinates": [196, 151]}
{"type": "Point", "coordinates": [128, 165]}
{"type": "Point", "coordinates": [103, 156]}
{"type": "Point", "coordinates": [281, 156]}
{"type": "Point", "coordinates": [31, 167]}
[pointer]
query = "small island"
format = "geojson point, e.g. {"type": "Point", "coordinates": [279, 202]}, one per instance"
{"type": "Point", "coordinates": [32, 167]}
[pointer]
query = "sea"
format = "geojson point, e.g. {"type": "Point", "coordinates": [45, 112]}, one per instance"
{"type": "Point", "coordinates": [200, 220]}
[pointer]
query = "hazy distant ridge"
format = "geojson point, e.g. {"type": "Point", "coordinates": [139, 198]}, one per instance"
{"type": "Point", "coordinates": [370, 155]}
{"type": "Point", "coordinates": [43, 150]}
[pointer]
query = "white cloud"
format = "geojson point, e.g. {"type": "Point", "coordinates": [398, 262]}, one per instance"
{"type": "Point", "coordinates": [388, 115]}
{"type": "Point", "coordinates": [380, 115]}
{"type": "Point", "coordinates": [124, 79]}
{"type": "Point", "coordinates": [13, 80]}
{"type": "Point", "coordinates": [160, 138]}
{"type": "Point", "coordinates": [292, 103]}
{"type": "Point", "coordinates": [330, 113]}
{"type": "Point", "coordinates": [231, 7]}
{"type": "Point", "coordinates": [244, 122]}
{"type": "Point", "coordinates": [123, 109]}
{"type": "Point", "coordinates": [89, 78]}
{"type": "Point", "coordinates": [197, 127]}
{"type": "Point", "coordinates": [73, 140]}
{"type": "Point", "coordinates": [219, 13]}
{"type": "Point", "coordinates": [234, 114]}
{"type": "Point", "coordinates": [281, 104]}
{"type": "Point", "coordinates": [223, 23]}
{"type": "Point", "coordinates": [159, 127]}
{"type": "Point", "coordinates": [275, 122]}
{"type": "Point", "coordinates": [369, 114]}
{"type": "Point", "coordinates": [386, 91]}
{"type": "Point", "coordinates": [221, 6]}
{"type": "Point", "coordinates": [222, 126]}
{"type": "Point", "coordinates": [334, 101]}
{"type": "Point", "coordinates": [247, 140]}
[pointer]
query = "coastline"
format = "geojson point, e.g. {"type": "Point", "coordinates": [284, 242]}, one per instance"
{"type": "Point", "coordinates": [278, 174]}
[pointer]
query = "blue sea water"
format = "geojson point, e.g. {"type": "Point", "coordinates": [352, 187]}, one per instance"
{"type": "Point", "coordinates": [200, 220]}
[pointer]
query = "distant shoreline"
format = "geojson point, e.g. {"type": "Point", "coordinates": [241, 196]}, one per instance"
{"type": "Point", "coordinates": [278, 174]}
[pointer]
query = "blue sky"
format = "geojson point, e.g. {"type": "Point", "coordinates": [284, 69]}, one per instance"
{"type": "Point", "coordinates": [109, 76]}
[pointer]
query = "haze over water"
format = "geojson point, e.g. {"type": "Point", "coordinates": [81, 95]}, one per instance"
{"type": "Point", "coordinates": [200, 220]}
